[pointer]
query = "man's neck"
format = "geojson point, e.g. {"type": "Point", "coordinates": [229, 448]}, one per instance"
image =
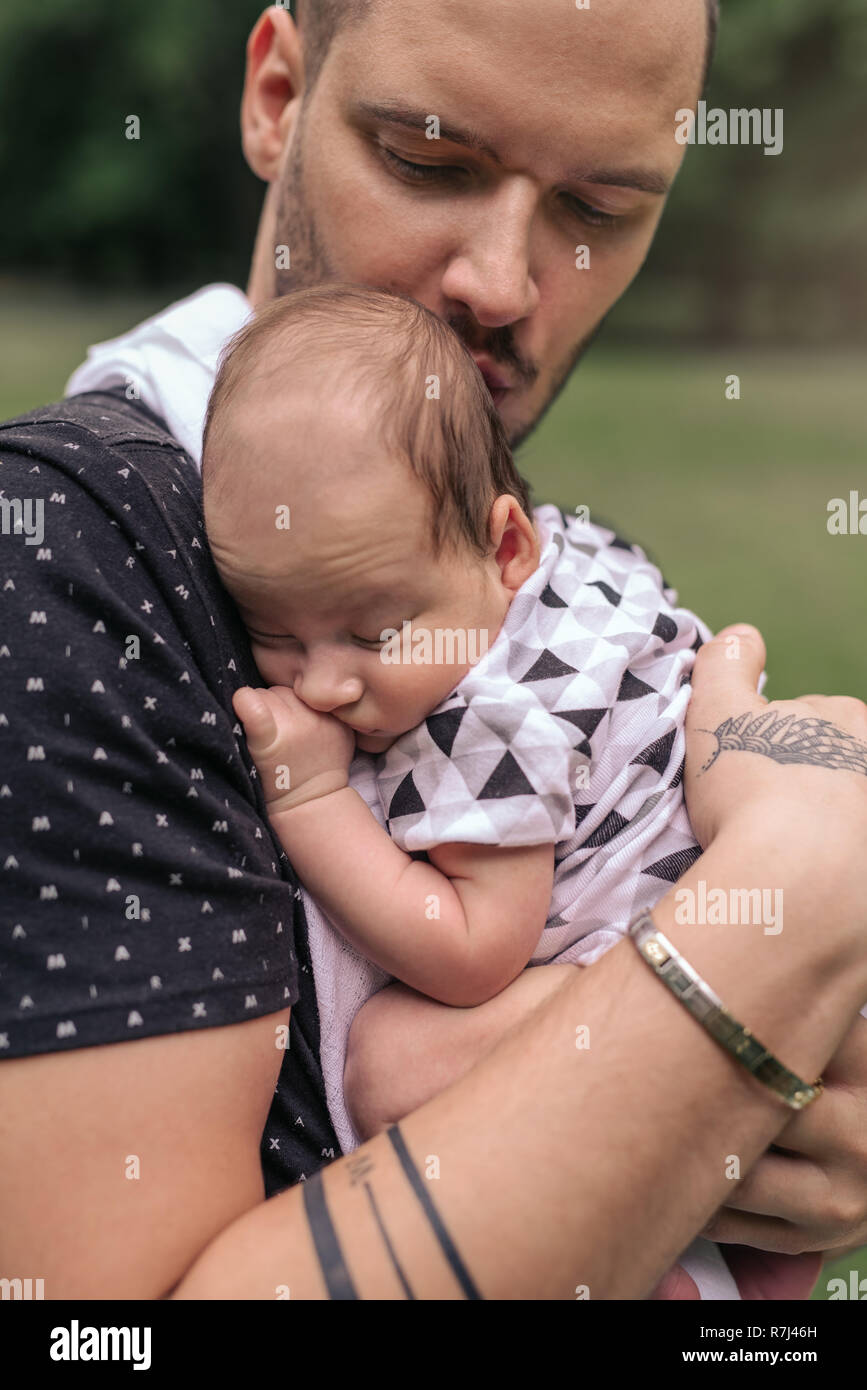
{"type": "Point", "coordinates": [260, 285]}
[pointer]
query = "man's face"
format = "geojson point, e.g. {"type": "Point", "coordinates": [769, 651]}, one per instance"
{"type": "Point", "coordinates": [556, 132]}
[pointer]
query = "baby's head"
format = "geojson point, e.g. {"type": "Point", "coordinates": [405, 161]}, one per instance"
{"type": "Point", "coordinates": [357, 477]}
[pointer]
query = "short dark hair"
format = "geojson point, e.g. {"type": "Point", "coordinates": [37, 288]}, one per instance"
{"type": "Point", "coordinates": [429, 400]}
{"type": "Point", "coordinates": [320, 21]}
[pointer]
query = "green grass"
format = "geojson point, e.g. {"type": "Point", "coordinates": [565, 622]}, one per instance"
{"type": "Point", "coordinates": [840, 1269]}
{"type": "Point", "coordinates": [729, 497]}
{"type": "Point", "coordinates": [46, 331]}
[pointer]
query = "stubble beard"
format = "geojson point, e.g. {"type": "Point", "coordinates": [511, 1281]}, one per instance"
{"type": "Point", "coordinates": [520, 432]}
{"type": "Point", "coordinates": [310, 266]}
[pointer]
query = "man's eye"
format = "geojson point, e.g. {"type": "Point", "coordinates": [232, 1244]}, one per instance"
{"type": "Point", "coordinates": [418, 173]}
{"type": "Point", "coordinates": [594, 216]}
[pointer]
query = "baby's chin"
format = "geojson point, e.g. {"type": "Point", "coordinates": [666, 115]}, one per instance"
{"type": "Point", "coordinates": [375, 743]}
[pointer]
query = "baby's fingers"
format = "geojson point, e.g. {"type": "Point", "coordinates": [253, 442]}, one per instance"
{"type": "Point", "coordinates": [254, 711]}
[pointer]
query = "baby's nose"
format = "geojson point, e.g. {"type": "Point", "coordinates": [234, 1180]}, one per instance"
{"type": "Point", "coordinates": [326, 690]}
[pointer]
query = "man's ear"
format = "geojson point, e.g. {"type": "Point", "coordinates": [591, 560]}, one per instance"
{"type": "Point", "coordinates": [514, 542]}
{"type": "Point", "coordinates": [273, 86]}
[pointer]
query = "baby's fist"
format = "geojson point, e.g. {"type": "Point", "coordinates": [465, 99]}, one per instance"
{"type": "Point", "coordinates": [300, 753]}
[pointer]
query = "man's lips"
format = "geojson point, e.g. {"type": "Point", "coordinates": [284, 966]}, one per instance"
{"type": "Point", "coordinates": [497, 381]}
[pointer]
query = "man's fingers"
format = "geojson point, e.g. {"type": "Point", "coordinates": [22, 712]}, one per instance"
{"type": "Point", "coordinates": [676, 1285]}
{"type": "Point", "coordinates": [726, 675]}
{"type": "Point", "coordinates": [764, 1232]}
{"type": "Point", "coordinates": [817, 1132]}
{"type": "Point", "coordinates": [781, 1187]}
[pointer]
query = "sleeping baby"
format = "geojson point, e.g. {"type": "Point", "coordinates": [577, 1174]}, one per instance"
{"type": "Point", "coordinates": [472, 741]}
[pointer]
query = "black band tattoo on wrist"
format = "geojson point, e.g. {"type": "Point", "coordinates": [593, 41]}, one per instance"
{"type": "Point", "coordinates": [395, 1262]}
{"type": "Point", "coordinates": [359, 1168]}
{"type": "Point", "coordinates": [788, 739]}
{"type": "Point", "coordinates": [446, 1243]}
{"type": "Point", "coordinates": [338, 1280]}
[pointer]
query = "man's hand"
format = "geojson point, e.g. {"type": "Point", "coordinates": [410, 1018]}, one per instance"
{"type": "Point", "coordinates": [809, 753]}
{"type": "Point", "coordinates": [300, 752]}
{"type": "Point", "coordinates": [809, 1191]}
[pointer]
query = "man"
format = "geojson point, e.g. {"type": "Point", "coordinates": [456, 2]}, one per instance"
{"type": "Point", "coordinates": [150, 909]}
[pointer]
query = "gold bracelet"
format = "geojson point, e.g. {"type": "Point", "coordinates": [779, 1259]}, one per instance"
{"type": "Point", "coordinates": [698, 997]}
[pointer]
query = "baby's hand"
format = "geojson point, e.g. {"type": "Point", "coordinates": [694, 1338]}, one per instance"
{"type": "Point", "coordinates": [300, 753]}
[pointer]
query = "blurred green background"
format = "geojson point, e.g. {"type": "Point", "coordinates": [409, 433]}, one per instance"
{"type": "Point", "coordinates": [758, 271]}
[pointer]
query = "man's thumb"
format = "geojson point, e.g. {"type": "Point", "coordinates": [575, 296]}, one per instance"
{"type": "Point", "coordinates": [726, 676]}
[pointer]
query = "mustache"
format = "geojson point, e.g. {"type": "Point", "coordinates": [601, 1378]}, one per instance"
{"type": "Point", "coordinates": [498, 343]}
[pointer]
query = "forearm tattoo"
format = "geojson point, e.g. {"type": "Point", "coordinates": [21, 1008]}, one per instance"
{"type": "Point", "coordinates": [395, 1262]}
{"type": "Point", "coordinates": [788, 739]}
{"type": "Point", "coordinates": [338, 1280]}
{"type": "Point", "coordinates": [447, 1245]}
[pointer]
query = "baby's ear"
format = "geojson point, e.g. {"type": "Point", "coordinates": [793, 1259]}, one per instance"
{"type": "Point", "coordinates": [514, 542]}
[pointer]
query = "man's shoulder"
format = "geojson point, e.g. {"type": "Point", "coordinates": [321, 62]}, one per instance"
{"type": "Point", "coordinates": [109, 416]}
{"type": "Point", "coordinates": [111, 451]}
{"type": "Point", "coordinates": [143, 891]}
{"type": "Point", "coordinates": [102, 488]}
{"type": "Point", "coordinates": [124, 770]}
{"type": "Point", "coordinates": [81, 436]}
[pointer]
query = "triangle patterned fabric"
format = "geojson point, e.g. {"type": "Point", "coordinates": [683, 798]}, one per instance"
{"type": "Point", "coordinates": [569, 730]}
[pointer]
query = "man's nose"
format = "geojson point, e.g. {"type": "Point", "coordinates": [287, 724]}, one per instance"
{"type": "Point", "coordinates": [326, 685]}
{"type": "Point", "coordinates": [491, 272]}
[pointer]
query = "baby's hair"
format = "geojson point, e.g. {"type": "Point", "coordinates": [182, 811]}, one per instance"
{"type": "Point", "coordinates": [391, 347]}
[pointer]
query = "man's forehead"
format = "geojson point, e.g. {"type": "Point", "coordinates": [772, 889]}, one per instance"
{"type": "Point", "coordinates": [546, 71]}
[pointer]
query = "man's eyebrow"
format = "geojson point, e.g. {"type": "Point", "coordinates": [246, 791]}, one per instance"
{"type": "Point", "coordinates": [413, 118]}
{"type": "Point", "coordinates": [645, 180]}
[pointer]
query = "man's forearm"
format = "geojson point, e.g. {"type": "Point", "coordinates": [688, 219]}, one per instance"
{"type": "Point", "coordinates": [588, 1167]}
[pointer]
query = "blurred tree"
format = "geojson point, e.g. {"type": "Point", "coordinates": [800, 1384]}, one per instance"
{"type": "Point", "coordinates": [752, 246]}
{"type": "Point", "coordinates": [175, 206]}
{"type": "Point", "coordinates": [772, 246]}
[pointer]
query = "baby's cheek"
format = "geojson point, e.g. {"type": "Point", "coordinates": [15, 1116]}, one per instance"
{"type": "Point", "coordinates": [275, 668]}
{"type": "Point", "coordinates": [426, 686]}
{"type": "Point", "coordinates": [394, 690]}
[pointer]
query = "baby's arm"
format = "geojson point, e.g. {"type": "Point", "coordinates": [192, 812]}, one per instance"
{"type": "Point", "coordinates": [458, 929]}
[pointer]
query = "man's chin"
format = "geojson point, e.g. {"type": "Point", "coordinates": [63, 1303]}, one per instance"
{"type": "Point", "coordinates": [519, 429]}
{"type": "Point", "coordinates": [519, 422]}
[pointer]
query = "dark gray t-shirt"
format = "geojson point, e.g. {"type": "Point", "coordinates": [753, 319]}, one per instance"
{"type": "Point", "coordinates": [142, 891]}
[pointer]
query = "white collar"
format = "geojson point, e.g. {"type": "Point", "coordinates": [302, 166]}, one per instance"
{"type": "Point", "coordinates": [170, 361]}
